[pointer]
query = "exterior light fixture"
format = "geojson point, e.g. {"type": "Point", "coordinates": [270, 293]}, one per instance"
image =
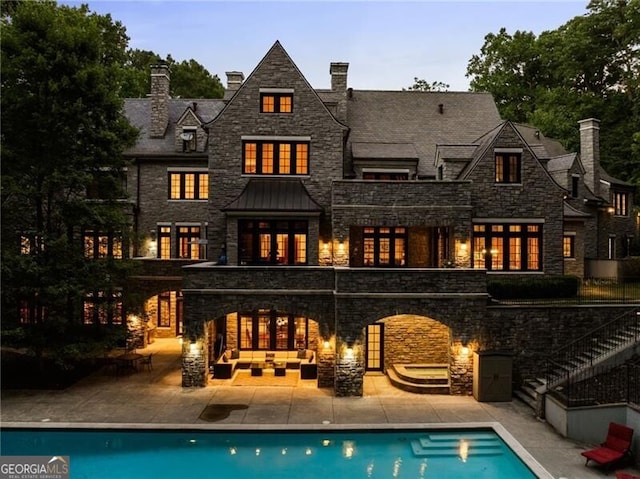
{"type": "Point", "coordinates": [326, 345]}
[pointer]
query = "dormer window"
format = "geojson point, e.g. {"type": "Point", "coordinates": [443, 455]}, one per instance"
{"type": "Point", "coordinates": [575, 181]}
{"type": "Point", "coordinates": [276, 100]}
{"type": "Point", "coordinates": [188, 137]}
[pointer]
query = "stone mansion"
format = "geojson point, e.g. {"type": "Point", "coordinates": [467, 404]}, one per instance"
{"type": "Point", "coordinates": [361, 225]}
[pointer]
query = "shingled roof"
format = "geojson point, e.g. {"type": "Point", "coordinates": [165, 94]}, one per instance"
{"type": "Point", "coordinates": [138, 111]}
{"type": "Point", "coordinates": [423, 119]}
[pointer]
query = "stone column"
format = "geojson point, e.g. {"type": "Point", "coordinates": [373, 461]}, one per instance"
{"type": "Point", "coordinates": [349, 379]}
{"type": "Point", "coordinates": [326, 366]}
{"type": "Point", "coordinates": [195, 354]}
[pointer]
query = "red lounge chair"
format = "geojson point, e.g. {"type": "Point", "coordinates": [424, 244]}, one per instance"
{"type": "Point", "coordinates": [616, 446]}
{"type": "Point", "coordinates": [626, 475]}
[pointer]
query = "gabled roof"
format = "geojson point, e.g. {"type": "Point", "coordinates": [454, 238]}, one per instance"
{"type": "Point", "coordinates": [275, 49]}
{"type": "Point", "coordinates": [138, 111]}
{"type": "Point", "coordinates": [456, 152]}
{"type": "Point", "coordinates": [570, 212]}
{"type": "Point", "coordinates": [279, 195]}
{"type": "Point", "coordinates": [543, 147]}
{"type": "Point", "coordinates": [413, 117]}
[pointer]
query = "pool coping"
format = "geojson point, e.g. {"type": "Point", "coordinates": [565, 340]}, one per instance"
{"type": "Point", "coordinates": [535, 467]}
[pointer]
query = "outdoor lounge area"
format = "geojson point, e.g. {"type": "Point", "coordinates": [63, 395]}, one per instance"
{"type": "Point", "coordinates": [303, 360]}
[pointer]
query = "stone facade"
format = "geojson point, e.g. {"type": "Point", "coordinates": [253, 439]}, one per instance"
{"type": "Point", "coordinates": [432, 305]}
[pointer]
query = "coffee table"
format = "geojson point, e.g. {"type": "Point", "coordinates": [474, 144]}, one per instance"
{"type": "Point", "coordinates": [256, 368]}
{"type": "Point", "coordinates": [280, 368]}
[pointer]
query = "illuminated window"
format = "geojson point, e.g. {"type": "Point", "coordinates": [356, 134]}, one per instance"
{"type": "Point", "coordinates": [385, 246]}
{"type": "Point", "coordinates": [275, 157]}
{"type": "Point", "coordinates": [507, 247]}
{"type": "Point", "coordinates": [273, 242]}
{"type": "Point", "coordinates": [103, 308]}
{"type": "Point", "coordinates": [508, 167]}
{"type": "Point", "coordinates": [102, 245]}
{"type": "Point", "coordinates": [620, 202]}
{"type": "Point", "coordinates": [164, 242]}
{"type": "Point", "coordinates": [569, 246]}
{"type": "Point", "coordinates": [276, 102]}
{"type": "Point", "coordinates": [272, 330]}
{"type": "Point", "coordinates": [188, 186]}
{"type": "Point", "coordinates": [188, 238]}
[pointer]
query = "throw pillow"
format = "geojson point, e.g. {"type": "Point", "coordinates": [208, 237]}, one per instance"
{"type": "Point", "coordinates": [311, 358]}
{"type": "Point", "coordinates": [235, 354]}
{"type": "Point", "coordinates": [302, 353]}
{"type": "Point", "coordinates": [224, 358]}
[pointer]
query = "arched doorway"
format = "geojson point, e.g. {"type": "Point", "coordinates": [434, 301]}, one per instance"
{"type": "Point", "coordinates": [164, 312]}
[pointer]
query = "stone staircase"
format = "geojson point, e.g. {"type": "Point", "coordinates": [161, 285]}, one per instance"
{"type": "Point", "coordinates": [619, 338]}
{"type": "Point", "coordinates": [420, 378]}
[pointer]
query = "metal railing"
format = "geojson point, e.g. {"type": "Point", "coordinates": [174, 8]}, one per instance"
{"type": "Point", "coordinates": [587, 350]}
{"type": "Point", "coordinates": [590, 291]}
{"type": "Point", "coordinates": [601, 385]}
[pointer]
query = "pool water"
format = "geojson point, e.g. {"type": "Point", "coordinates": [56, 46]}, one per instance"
{"type": "Point", "coordinates": [139, 454]}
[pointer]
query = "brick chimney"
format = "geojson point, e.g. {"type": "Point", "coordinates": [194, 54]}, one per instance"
{"type": "Point", "coordinates": [234, 80]}
{"type": "Point", "coordinates": [590, 152]}
{"type": "Point", "coordinates": [160, 81]}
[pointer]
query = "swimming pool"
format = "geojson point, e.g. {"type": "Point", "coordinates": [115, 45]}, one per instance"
{"type": "Point", "coordinates": [329, 453]}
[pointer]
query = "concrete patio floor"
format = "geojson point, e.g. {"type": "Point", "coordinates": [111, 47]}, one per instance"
{"type": "Point", "coordinates": [156, 397]}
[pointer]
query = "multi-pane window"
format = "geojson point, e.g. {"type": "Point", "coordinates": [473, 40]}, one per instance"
{"type": "Point", "coordinates": [189, 138]}
{"type": "Point", "coordinates": [274, 242]}
{"type": "Point", "coordinates": [507, 247]}
{"type": "Point", "coordinates": [276, 102]}
{"type": "Point", "coordinates": [30, 244]}
{"type": "Point", "coordinates": [164, 309]}
{"type": "Point", "coordinates": [272, 330]}
{"type": "Point", "coordinates": [102, 245]}
{"type": "Point", "coordinates": [508, 167]}
{"type": "Point", "coordinates": [188, 185]}
{"type": "Point", "coordinates": [569, 246]}
{"type": "Point", "coordinates": [620, 204]}
{"type": "Point", "coordinates": [188, 238]}
{"type": "Point", "coordinates": [275, 158]}
{"type": "Point", "coordinates": [103, 308]}
{"type": "Point", "coordinates": [385, 246]}
{"type": "Point", "coordinates": [164, 242]}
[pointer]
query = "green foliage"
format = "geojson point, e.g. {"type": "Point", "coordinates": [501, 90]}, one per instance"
{"type": "Point", "coordinates": [534, 288]}
{"type": "Point", "coordinates": [589, 67]}
{"type": "Point", "coordinates": [189, 79]}
{"type": "Point", "coordinates": [420, 84]}
{"type": "Point", "coordinates": [62, 126]}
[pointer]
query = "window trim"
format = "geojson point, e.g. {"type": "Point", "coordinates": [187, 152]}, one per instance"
{"type": "Point", "coordinates": [523, 253]}
{"type": "Point", "coordinates": [393, 235]}
{"type": "Point", "coordinates": [272, 229]}
{"type": "Point", "coordinates": [275, 165]}
{"type": "Point", "coordinates": [505, 174]}
{"type": "Point", "coordinates": [181, 173]}
{"type": "Point", "coordinates": [620, 201]}
{"type": "Point", "coordinates": [572, 245]}
{"type": "Point", "coordinates": [277, 102]}
{"type": "Point", "coordinates": [272, 316]}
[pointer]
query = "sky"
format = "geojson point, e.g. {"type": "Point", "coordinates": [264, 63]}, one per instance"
{"type": "Point", "coordinates": [386, 43]}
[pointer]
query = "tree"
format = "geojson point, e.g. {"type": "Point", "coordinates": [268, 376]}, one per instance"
{"type": "Point", "coordinates": [589, 67]}
{"type": "Point", "coordinates": [63, 129]}
{"type": "Point", "coordinates": [189, 79]}
{"type": "Point", "coordinates": [420, 84]}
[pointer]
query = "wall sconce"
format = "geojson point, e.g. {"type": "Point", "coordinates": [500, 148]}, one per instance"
{"type": "Point", "coordinates": [463, 246]}
{"type": "Point", "coordinates": [349, 351]}
{"type": "Point", "coordinates": [464, 341]}
{"type": "Point", "coordinates": [341, 248]}
{"type": "Point", "coordinates": [325, 247]}
{"type": "Point", "coordinates": [193, 347]}
{"type": "Point", "coordinates": [611, 210]}
{"type": "Point", "coordinates": [326, 345]}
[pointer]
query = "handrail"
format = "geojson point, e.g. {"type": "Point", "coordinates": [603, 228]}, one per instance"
{"type": "Point", "coordinates": [582, 352]}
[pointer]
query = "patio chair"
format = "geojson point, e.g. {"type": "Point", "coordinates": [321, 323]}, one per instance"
{"type": "Point", "coordinates": [617, 446]}
{"type": "Point", "coordinates": [146, 361]}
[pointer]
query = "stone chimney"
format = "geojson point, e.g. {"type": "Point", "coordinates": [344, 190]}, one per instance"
{"type": "Point", "coordinates": [590, 152]}
{"type": "Point", "coordinates": [234, 80]}
{"type": "Point", "coordinates": [160, 81]}
{"type": "Point", "coordinates": [338, 73]}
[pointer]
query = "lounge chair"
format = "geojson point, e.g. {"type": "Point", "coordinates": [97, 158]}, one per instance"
{"type": "Point", "coordinates": [617, 446]}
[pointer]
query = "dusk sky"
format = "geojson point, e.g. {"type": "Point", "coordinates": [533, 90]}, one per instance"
{"type": "Point", "coordinates": [387, 44]}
